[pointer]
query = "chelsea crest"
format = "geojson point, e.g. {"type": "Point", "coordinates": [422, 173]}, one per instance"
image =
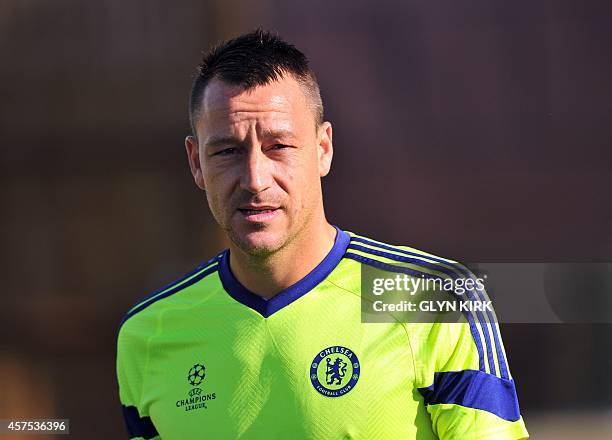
{"type": "Point", "coordinates": [334, 371]}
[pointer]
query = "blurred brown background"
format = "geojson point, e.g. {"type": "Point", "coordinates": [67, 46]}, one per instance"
{"type": "Point", "coordinates": [478, 130]}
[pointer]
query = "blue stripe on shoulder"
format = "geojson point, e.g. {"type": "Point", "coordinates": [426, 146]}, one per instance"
{"type": "Point", "coordinates": [175, 282]}
{"type": "Point", "coordinates": [474, 389]}
{"type": "Point", "coordinates": [402, 251]}
{"type": "Point", "coordinates": [178, 286]}
{"type": "Point", "coordinates": [427, 264]}
{"type": "Point", "coordinates": [406, 270]}
{"type": "Point", "coordinates": [138, 426]}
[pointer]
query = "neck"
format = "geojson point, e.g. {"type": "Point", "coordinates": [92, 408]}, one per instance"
{"type": "Point", "coordinates": [268, 276]}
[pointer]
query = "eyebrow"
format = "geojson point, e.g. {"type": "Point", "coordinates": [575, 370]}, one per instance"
{"type": "Point", "coordinates": [218, 141]}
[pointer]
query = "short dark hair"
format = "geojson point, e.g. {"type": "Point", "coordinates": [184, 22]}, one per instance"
{"type": "Point", "coordinates": [250, 60]}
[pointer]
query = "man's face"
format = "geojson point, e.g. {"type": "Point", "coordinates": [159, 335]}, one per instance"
{"type": "Point", "coordinates": [260, 159]}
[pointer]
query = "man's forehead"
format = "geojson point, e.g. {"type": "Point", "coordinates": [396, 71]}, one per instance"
{"type": "Point", "coordinates": [221, 98]}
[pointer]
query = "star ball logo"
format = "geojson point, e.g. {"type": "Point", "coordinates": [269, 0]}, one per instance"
{"type": "Point", "coordinates": [196, 374]}
{"type": "Point", "coordinates": [334, 371]}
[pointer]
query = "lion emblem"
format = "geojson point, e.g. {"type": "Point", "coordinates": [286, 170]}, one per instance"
{"type": "Point", "coordinates": [335, 371]}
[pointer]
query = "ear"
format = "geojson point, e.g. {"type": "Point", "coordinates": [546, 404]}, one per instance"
{"type": "Point", "coordinates": [325, 148]}
{"type": "Point", "coordinates": [193, 156]}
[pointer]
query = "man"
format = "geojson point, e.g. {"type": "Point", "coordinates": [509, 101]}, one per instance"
{"type": "Point", "coordinates": [265, 340]}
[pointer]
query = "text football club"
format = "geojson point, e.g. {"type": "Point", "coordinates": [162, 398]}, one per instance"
{"type": "Point", "coordinates": [334, 371]}
{"type": "Point", "coordinates": [196, 398]}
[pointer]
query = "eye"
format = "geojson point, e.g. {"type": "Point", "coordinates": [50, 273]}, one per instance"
{"type": "Point", "coordinates": [279, 146]}
{"type": "Point", "coordinates": [225, 152]}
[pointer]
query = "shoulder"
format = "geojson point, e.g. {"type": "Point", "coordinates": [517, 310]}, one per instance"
{"type": "Point", "coordinates": [143, 313]}
{"type": "Point", "coordinates": [366, 257]}
{"type": "Point", "coordinates": [388, 256]}
{"type": "Point", "coordinates": [478, 328]}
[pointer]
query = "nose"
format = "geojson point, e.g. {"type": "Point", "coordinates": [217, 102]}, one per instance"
{"type": "Point", "coordinates": [256, 176]}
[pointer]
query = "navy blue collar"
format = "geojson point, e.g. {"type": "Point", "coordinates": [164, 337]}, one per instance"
{"type": "Point", "coordinates": [286, 296]}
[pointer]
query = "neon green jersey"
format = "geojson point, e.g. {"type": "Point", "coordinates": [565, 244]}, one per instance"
{"type": "Point", "coordinates": [206, 358]}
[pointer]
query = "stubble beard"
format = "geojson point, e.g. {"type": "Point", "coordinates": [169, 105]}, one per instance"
{"type": "Point", "coordinates": [254, 250]}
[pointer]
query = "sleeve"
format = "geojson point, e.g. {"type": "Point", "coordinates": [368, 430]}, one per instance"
{"type": "Point", "coordinates": [464, 379]}
{"type": "Point", "coordinates": [131, 360]}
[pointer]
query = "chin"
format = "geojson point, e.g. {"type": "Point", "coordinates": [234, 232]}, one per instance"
{"type": "Point", "coordinates": [258, 243]}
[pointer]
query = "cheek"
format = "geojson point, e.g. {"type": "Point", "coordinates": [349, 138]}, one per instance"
{"type": "Point", "coordinates": [301, 183]}
{"type": "Point", "coordinates": [218, 180]}
{"type": "Point", "coordinates": [213, 201]}
{"type": "Point", "coordinates": [303, 170]}
{"type": "Point", "coordinates": [218, 191]}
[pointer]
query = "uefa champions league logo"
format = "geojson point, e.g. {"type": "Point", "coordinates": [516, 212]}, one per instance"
{"type": "Point", "coordinates": [197, 398]}
{"type": "Point", "coordinates": [334, 371]}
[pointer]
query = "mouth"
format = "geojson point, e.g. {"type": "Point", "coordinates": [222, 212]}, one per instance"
{"type": "Point", "coordinates": [259, 213]}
